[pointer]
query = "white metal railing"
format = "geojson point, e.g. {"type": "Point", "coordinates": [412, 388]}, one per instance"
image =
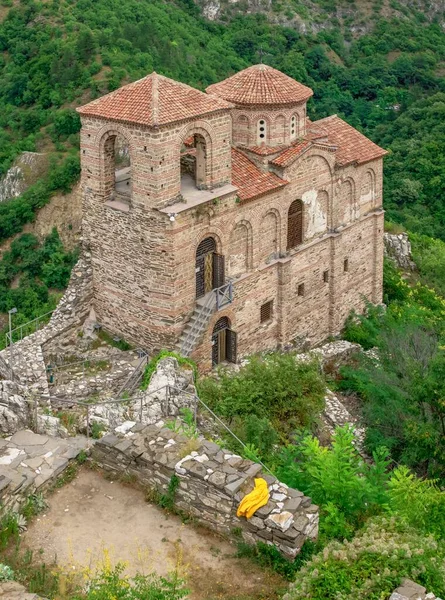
{"type": "Point", "coordinates": [17, 334]}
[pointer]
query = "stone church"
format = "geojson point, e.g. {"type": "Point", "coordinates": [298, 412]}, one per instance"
{"type": "Point", "coordinates": [226, 223]}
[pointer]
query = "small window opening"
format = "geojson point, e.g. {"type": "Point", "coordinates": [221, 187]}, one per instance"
{"type": "Point", "coordinates": [293, 127]}
{"type": "Point", "coordinates": [266, 311]}
{"type": "Point", "coordinates": [262, 131]}
{"type": "Point", "coordinates": [326, 276]}
{"type": "Point", "coordinates": [300, 289]}
{"type": "Point", "coordinates": [346, 265]}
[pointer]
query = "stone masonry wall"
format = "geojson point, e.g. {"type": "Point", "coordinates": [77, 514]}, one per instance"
{"type": "Point", "coordinates": [212, 482]}
{"type": "Point", "coordinates": [28, 354]}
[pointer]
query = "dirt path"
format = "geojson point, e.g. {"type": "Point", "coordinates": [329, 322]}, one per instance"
{"type": "Point", "coordinates": [91, 515]}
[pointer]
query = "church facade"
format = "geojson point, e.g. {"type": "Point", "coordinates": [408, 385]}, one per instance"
{"type": "Point", "coordinates": [226, 223]}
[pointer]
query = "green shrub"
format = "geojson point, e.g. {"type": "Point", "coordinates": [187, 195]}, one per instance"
{"type": "Point", "coordinates": [337, 477]}
{"type": "Point", "coordinates": [277, 387]}
{"type": "Point", "coordinates": [111, 583]}
{"type": "Point", "coordinates": [420, 502]}
{"type": "Point", "coordinates": [372, 564]}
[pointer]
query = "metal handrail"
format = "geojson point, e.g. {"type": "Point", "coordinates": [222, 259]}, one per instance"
{"type": "Point", "coordinates": [135, 375]}
{"type": "Point", "coordinates": [10, 334]}
{"type": "Point", "coordinates": [197, 325]}
{"type": "Point", "coordinates": [215, 416]}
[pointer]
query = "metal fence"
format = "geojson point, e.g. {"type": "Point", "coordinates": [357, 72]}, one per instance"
{"type": "Point", "coordinates": [21, 331]}
{"type": "Point", "coordinates": [141, 400]}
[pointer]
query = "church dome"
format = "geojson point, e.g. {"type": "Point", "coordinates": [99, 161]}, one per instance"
{"type": "Point", "coordinates": [260, 85]}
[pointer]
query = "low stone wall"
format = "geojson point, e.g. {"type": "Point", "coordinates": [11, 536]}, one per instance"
{"type": "Point", "coordinates": [412, 591]}
{"type": "Point", "coordinates": [30, 462]}
{"type": "Point", "coordinates": [212, 482]}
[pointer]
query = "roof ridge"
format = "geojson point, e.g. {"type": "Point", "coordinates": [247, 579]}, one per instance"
{"type": "Point", "coordinates": [155, 99]}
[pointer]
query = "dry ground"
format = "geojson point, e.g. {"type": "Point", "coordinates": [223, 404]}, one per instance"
{"type": "Point", "coordinates": [91, 514]}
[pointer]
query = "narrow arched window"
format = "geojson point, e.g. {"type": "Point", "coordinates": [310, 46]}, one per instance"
{"type": "Point", "coordinates": [293, 132]}
{"type": "Point", "coordinates": [261, 131]}
{"type": "Point", "coordinates": [295, 224]}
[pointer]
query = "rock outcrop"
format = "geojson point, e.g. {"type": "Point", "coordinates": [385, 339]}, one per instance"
{"type": "Point", "coordinates": [398, 247]}
{"type": "Point", "coordinates": [27, 168]}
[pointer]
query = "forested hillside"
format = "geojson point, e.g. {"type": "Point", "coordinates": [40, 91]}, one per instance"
{"type": "Point", "coordinates": [389, 82]}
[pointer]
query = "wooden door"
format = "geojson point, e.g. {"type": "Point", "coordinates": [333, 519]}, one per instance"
{"type": "Point", "coordinates": [218, 270]}
{"type": "Point", "coordinates": [208, 272]}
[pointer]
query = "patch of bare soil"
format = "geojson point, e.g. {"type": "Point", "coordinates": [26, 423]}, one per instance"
{"type": "Point", "coordinates": [91, 515]}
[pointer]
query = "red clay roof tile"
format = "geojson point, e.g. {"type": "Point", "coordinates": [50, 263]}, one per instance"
{"type": "Point", "coordinates": [260, 84]}
{"type": "Point", "coordinates": [352, 146]}
{"type": "Point", "coordinates": [154, 100]}
{"type": "Point", "coordinates": [250, 181]}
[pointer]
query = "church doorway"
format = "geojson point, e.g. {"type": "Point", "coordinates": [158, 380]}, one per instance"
{"type": "Point", "coordinates": [209, 268]}
{"type": "Point", "coordinates": [224, 342]}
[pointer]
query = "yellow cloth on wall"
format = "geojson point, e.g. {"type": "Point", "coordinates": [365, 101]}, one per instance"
{"type": "Point", "coordinates": [257, 498]}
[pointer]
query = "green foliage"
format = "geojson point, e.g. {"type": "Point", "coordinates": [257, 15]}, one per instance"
{"type": "Point", "coordinates": [111, 340]}
{"type": "Point", "coordinates": [429, 256]}
{"type": "Point", "coordinates": [16, 212]}
{"type": "Point", "coordinates": [38, 269]}
{"type": "Point", "coordinates": [372, 564]}
{"type": "Point", "coordinates": [403, 385]}
{"type": "Point", "coordinates": [276, 387]}
{"type": "Point", "coordinates": [186, 424]}
{"type": "Point", "coordinates": [6, 573]}
{"type": "Point", "coordinates": [9, 529]}
{"type": "Point", "coordinates": [151, 366]}
{"type": "Point", "coordinates": [269, 557]}
{"type": "Point", "coordinates": [35, 504]}
{"type": "Point", "coordinates": [418, 501]}
{"type": "Point", "coordinates": [113, 583]}
{"type": "Point", "coordinates": [337, 478]}
{"type": "Point", "coordinates": [96, 430]}
{"type": "Point", "coordinates": [167, 500]}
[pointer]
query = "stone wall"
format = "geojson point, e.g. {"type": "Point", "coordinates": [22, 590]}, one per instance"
{"type": "Point", "coordinates": [409, 590]}
{"type": "Point", "coordinates": [28, 354]}
{"type": "Point", "coordinates": [398, 247]}
{"type": "Point", "coordinates": [15, 407]}
{"type": "Point", "coordinates": [212, 482]}
{"type": "Point", "coordinates": [31, 462]}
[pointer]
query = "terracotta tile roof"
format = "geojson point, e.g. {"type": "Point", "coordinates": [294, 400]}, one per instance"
{"type": "Point", "coordinates": [334, 134]}
{"type": "Point", "coordinates": [290, 154]}
{"type": "Point", "coordinates": [250, 181]}
{"type": "Point", "coordinates": [264, 150]}
{"type": "Point", "coordinates": [260, 84]}
{"type": "Point", "coordinates": [352, 145]}
{"type": "Point", "coordinates": [153, 100]}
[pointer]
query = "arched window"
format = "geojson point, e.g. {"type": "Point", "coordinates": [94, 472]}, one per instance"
{"type": "Point", "coordinates": [194, 163]}
{"type": "Point", "coordinates": [293, 132]}
{"type": "Point", "coordinates": [261, 132]}
{"type": "Point", "coordinates": [295, 224]}
{"type": "Point", "coordinates": [118, 169]}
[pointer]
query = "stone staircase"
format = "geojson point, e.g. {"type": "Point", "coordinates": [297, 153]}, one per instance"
{"type": "Point", "coordinates": [197, 324]}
